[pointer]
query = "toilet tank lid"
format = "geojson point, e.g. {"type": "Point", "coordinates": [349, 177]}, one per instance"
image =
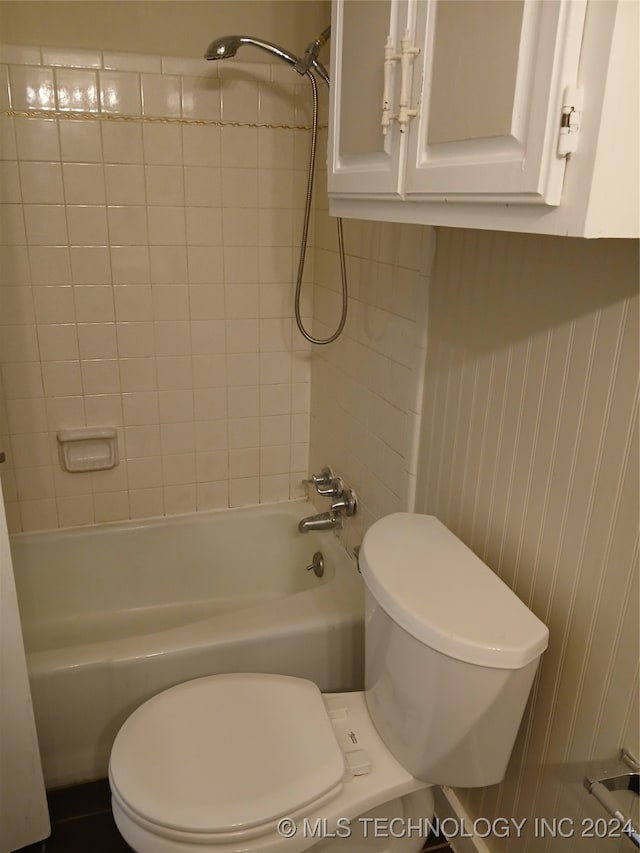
{"type": "Point", "coordinates": [441, 593]}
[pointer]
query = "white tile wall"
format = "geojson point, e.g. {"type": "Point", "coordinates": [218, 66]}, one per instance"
{"type": "Point", "coordinates": [366, 389]}
{"type": "Point", "coordinates": [146, 283]}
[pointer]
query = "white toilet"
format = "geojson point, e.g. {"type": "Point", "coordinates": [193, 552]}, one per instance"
{"type": "Point", "coordinates": [255, 762]}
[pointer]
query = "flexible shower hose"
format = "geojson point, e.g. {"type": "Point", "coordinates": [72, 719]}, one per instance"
{"type": "Point", "coordinates": [305, 234]}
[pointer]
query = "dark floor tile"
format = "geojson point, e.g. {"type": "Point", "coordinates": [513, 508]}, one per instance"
{"type": "Point", "coordinates": [436, 844]}
{"type": "Point", "coordinates": [81, 821]}
{"type": "Point", "coordinates": [79, 801]}
{"type": "Point", "coordinates": [38, 847]}
{"type": "Point", "coordinates": [97, 833]}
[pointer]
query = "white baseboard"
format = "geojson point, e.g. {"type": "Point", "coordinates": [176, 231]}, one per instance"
{"type": "Point", "coordinates": [449, 808]}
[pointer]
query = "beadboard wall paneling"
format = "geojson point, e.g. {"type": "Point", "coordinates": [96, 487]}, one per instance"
{"type": "Point", "coordinates": [529, 452]}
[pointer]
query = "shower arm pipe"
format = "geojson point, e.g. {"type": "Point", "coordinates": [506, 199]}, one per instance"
{"type": "Point", "coordinates": [224, 48]}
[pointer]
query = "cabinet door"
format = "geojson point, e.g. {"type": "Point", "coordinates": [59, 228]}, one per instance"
{"type": "Point", "coordinates": [361, 159]}
{"type": "Point", "coordinates": [492, 76]}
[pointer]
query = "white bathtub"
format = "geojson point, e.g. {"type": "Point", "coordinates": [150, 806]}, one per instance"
{"type": "Point", "coordinates": [113, 614]}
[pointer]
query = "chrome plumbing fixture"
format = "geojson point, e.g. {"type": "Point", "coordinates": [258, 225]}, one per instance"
{"type": "Point", "coordinates": [344, 502]}
{"type": "Point", "coordinates": [326, 483]}
{"type": "Point", "coordinates": [622, 774]}
{"type": "Point", "coordinates": [322, 521]}
{"type": "Point", "coordinates": [317, 566]}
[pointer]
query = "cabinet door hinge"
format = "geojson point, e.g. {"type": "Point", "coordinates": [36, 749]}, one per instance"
{"type": "Point", "coordinates": [570, 119]}
{"type": "Point", "coordinates": [408, 52]}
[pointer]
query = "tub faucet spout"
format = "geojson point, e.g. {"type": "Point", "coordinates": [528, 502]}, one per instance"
{"type": "Point", "coordinates": [322, 521]}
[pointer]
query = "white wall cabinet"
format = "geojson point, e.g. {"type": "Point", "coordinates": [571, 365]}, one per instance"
{"type": "Point", "coordinates": [495, 110]}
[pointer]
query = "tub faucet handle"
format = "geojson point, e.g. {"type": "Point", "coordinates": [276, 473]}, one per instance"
{"type": "Point", "coordinates": [347, 503]}
{"type": "Point", "coordinates": [326, 483]}
{"type": "Point", "coordinates": [333, 489]}
{"type": "Point", "coordinates": [322, 479]}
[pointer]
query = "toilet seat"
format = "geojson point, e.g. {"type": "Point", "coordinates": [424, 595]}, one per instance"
{"type": "Point", "coordinates": [251, 749]}
{"type": "Point", "coordinates": [315, 758]}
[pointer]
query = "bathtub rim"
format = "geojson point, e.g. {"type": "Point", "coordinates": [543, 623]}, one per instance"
{"type": "Point", "coordinates": [292, 507]}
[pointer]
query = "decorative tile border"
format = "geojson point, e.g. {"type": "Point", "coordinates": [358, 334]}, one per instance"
{"type": "Point", "coordinates": [35, 80]}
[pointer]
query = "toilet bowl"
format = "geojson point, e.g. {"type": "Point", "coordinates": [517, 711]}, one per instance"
{"type": "Point", "coordinates": [244, 763]}
{"type": "Point", "coordinates": [257, 762]}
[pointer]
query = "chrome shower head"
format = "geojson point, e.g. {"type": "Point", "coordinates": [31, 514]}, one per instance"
{"type": "Point", "coordinates": [227, 46]}
{"type": "Point", "coordinates": [223, 48]}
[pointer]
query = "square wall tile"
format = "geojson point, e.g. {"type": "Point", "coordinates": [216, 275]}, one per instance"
{"type": "Point", "coordinates": [201, 98]}
{"type": "Point", "coordinates": [54, 304]}
{"type": "Point", "coordinates": [172, 337]}
{"type": "Point", "coordinates": [111, 506]}
{"type": "Point", "coordinates": [26, 415]}
{"type": "Point", "coordinates": [45, 224]}
{"type": "Point", "coordinates": [94, 303]}
{"type": "Point", "coordinates": [71, 58]}
{"type": "Point", "coordinates": [100, 376]}
{"type": "Point", "coordinates": [58, 342]}
{"type": "Point", "coordinates": [180, 499]}
{"type": "Point", "coordinates": [209, 404]}
{"type": "Point", "coordinates": [240, 147]}
{"type": "Point", "coordinates": [161, 95]}
{"type": "Point", "coordinates": [204, 226]}
{"type": "Point", "coordinates": [130, 264]}
{"type": "Point", "coordinates": [175, 406]}
{"type": "Point", "coordinates": [164, 185]}
{"type": "Point", "coordinates": [22, 380]}
{"type": "Point", "coordinates": [97, 340]}
{"type": "Point", "coordinates": [16, 305]}
{"type": "Point", "coordinates": [213, 466]}
{"type": "Point", "coordinates": [12, 225]}
{"type": "Point", "coordinates": [32, 87]}
{"type": "Point", "coordinates": [84, 183]}
{"type": "Point", "coordinates": [50, 265]}
{"type": "Point", "coordinates": [62, 378]}
{"type": "Point", "coordinates": [90, 265]}
{"type": "Point", "coordinates": [244, 492]}
{"type": "Point", "coordinates": [201, 145]}
{"type": "Point", "coordinates": [75, 510]}
{"type": "Point", "coordinates": [162, 144]}
{"type": "Point", "coordinates": [145, 473]}
{"type": "Point", "coordinates": [131, 61]}
{"type": "Point", "coordinates": [76, 90]}
{"type": "Point", "coordinates": [212, 496]}
{"type": "Point", "coordinates": [127, 225]}
{"type": "Point", "coordinates": [120, 92]}
{"type": "Point", "coordinates": [80, 142]}
{"type": "Point", "coordinates": [122, 143]}
{"type": "Point", "coordinates": [239, 97]}
{"type": "Point", "coordinates": [166, 226]}
{"type": "Point", "coordinates": [146, 503]}
{"type": "Point", "coordinates": [41, 183]}
{"type": "Point", "coordinates": [133, 302]}
{"type": "Point", "coordinates": [87, 225]}
{"type": "Point", "coordinates": [202, 186]}
{"type": "Point", "coordinates": [125, 184]}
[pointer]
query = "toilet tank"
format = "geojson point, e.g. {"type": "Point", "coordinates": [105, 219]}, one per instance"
{"type": "Point", "coordinates": [451, 652]}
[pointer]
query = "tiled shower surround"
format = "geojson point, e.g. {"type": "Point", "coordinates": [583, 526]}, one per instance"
{"type": "Point", "coordinates": [148, 252]}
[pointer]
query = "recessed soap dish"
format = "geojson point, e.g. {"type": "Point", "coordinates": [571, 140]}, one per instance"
{"type": "Point", "coordinates": [88, 449]}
